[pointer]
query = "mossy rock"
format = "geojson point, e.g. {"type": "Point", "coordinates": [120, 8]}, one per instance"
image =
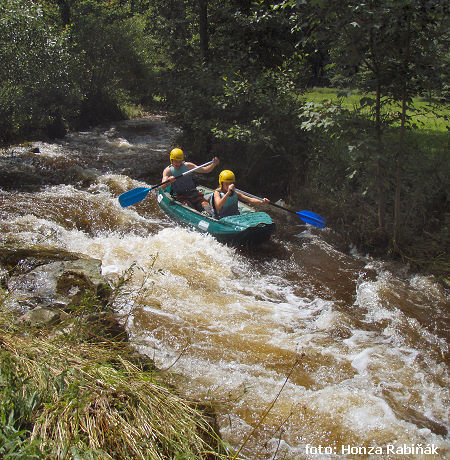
{"type": "Point", "coordinates": [12, 256]}
{"type": "Point", "coordinates": [40, 317]}
{"type": "Point", "coordinates": [57, 284]}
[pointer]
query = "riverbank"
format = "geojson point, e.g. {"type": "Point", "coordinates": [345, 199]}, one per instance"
{"type": "Point", "coordinates": [71, 384]}
{"type": "Point", "coordinates": [353, 219]}
{"type": "Point", "coordinates": [358, 179]}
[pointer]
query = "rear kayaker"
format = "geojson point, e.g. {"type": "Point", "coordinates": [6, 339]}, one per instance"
{"type": "Point", "coordinates": [248, 226]}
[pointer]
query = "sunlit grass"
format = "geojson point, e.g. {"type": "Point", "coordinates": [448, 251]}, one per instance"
{"type": "Point", "coordinates": [425, 115]}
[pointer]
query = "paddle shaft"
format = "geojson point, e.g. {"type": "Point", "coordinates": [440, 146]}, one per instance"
{"type": "Point", "coordinates": [262, 199]}
{"type": "Point", "coordinates": [139, 193]}
{"type": "Point", "coordinates": [184, 174]}
{"type": "Point", "coordinates": [308, 217]}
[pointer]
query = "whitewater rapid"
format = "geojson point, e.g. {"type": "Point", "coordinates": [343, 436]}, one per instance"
{"type": "Point", "coordinates": [351, 351]}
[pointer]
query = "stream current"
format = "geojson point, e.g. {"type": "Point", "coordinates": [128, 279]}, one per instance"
{"type": "Point", "coordinates": [349, 353]}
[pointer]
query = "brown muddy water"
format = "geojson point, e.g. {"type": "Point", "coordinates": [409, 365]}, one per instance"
{"type": "Point", "coordinates": [348, 353]}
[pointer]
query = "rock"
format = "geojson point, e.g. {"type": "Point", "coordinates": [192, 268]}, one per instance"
{"type": "Point", "coordinates": [104, 325]}
{"type": "Point", "coordinates": [15, 257]}
{"type": "Point", "coordinates": [78, 276]}
{"type": "Point", "coordinates": [57, 285]}
{"type": "Point", "coordinates": [39, 317]}
{"type": "Point", "coordinates": [142, 361]}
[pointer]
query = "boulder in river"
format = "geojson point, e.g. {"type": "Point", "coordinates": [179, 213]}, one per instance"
{"type": "Point", "coordinates": [56, 284]}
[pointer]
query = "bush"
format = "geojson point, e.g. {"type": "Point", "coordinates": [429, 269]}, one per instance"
{"type": "Point", "coordinates": [37, 93]}
{"type": "Point", "coordinates": [56, 76]}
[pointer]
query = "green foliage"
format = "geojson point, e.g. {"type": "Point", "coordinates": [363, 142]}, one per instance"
{"type": "Point", "coordinates": [69, 66]}
{"type": "Point", "coordinates": [394, 50]}
{"type": "Point", "coordinates": [344, 160]}
{"type": "Point", "coordinates": [426, 113]}
{"type": "Point", "coordinates": [240, 103]}
{"type": "Point", "coordinates": [62, 396]}
{"type": "Point", "coordinates": [36, 71]}
{"type": "Point", "coordinates": [109, 44]}
{"type": "Point", "coordinates": [257, 124]}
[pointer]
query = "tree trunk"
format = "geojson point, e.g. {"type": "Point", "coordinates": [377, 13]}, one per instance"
{"type": "Point", "coordinates": [380, 163]}
{"type": "Point", "coordinates": [401, 148]}
{"type": "Point", "coordinates": [204, 37]}
{"type": "Point", "coordinates": [398, 172]}
{"type": "Point", "coordinates": [64, 11]}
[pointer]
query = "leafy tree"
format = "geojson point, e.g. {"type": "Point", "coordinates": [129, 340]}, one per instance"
{"type": "Point", "coordinates": [36, 70]}
{"type": "Point", "coordinates": [70, 63]}
{"type": "Point", "coordinates": [227, 81]}
{"type": "Point", "coordinates": [385, 47]}
{"type": "Point", "coordinates": [114, 70]}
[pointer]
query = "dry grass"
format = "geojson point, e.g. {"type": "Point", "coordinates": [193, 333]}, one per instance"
{"type": "Point", "coordinates": [89, 400]}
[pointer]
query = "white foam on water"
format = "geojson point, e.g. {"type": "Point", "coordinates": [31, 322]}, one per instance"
{"type": "Point", "coordinates": [426, 284]}
{"type": "Point", "coordinates": [47, 150]}
{"type": "Point", "coordinates": [266, 317]}
{"type": "Point", "coordinates": [328, 318]}
{"type": "Point", "coordinates": [232, 333]}
{"type": "Point", "coordinates": [368, 298]}
{"type": "Point", "coordinates": [120, 143]}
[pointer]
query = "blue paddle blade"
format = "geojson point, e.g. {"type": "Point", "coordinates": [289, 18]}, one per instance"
{"type": "Point", "coordinates": [311, 218]}
{"type": "Point", "coordinates": [133, 196]}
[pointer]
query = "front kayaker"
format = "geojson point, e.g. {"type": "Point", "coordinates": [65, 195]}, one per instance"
{"type": "Point", "coordinates": [184, 189]}
{"type": "Point", "coordinates": [225, 198]}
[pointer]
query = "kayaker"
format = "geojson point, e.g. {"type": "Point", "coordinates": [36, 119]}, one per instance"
{"type": "Point", "coordinates": [184, 189]}
{"type": "Point", "coordinates": [225, 198]}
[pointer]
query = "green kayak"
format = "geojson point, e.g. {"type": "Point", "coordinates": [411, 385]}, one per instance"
{"type": "Point", "coordinates": [247, 227]}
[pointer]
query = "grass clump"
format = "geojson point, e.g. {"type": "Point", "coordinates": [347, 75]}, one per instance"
{"type": "Point", "coordinates": [62, 397]}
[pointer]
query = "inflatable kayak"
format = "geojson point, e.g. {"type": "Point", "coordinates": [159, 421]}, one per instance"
{"type": "Point", "coordinates": [247, 227]}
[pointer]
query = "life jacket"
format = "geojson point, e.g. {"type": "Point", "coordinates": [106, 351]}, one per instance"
{"type": "Point", "coordinates": [183, 184]}
{"type": "Point", "coordinates": [229, 208]}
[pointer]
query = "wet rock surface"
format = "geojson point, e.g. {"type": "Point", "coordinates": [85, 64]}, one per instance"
{"type": "Point", "coordinates": [37, 282]}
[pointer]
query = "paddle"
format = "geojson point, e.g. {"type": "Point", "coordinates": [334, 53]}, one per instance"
{"type": "Point", "coordinates": [137, 194]}
{"type": "Point", "coordinates": [306, 216]}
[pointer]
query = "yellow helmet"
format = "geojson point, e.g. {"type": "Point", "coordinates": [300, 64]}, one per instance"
{"type": "Point", "coordinates": [226, 176]}
{"type": "Point", "coordinates": [176, 154]}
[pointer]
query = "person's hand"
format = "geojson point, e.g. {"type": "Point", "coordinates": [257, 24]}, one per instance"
{"type": "Point", "coordinates": [216, 161]}
{"type": "Point", "coordinates": [231, 189]}
{"type": "Point", "coordinates": [266, 200]}
{"type": "Point", "coordinates": [171, 179]}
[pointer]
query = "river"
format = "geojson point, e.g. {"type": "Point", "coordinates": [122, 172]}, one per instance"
{"type": "Point", "coordinates": [349, 353]}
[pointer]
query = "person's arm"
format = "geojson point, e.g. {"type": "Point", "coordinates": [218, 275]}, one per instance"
{"type": "Point", "coordinates": [249, 199]}
{"type": "Point", "coordinates": [205, 169]}
{"type": "Point", "coordinates": [167, 177]}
